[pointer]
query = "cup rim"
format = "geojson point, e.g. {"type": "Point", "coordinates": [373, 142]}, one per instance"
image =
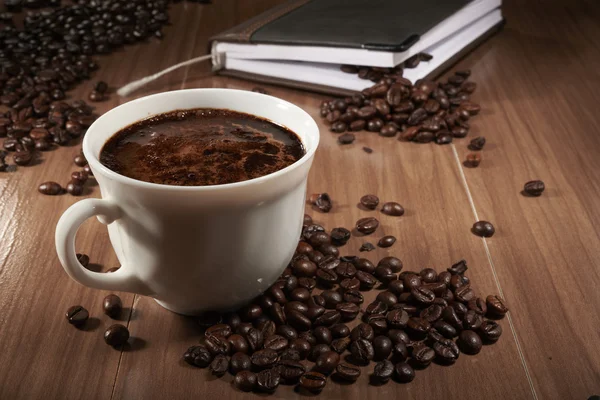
{"type": "Point", "coordinates": [96, 165]}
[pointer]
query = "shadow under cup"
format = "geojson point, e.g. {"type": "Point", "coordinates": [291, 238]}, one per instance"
{"type": "Point", "coordinates": [204, 247]}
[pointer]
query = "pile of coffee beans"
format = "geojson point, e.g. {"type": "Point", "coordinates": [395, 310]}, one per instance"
{"type": "Point", "coordinates": [313, 323]}
{"type": "Point", "coordinates": [422, 112]}
{"type": "Point", "coordinates": [374, 74]}
{"type": "Point", "coordinates": [49, 55]}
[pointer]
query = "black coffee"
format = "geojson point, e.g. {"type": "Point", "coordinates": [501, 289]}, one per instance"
{"type": "Point", "coordinates": [201, 147]}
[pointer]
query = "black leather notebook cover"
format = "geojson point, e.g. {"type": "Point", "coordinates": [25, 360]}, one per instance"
{"type": "Point", "coordinates": [387, 25]}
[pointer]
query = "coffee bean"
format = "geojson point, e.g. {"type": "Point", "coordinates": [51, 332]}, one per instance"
{"type": "Point", "coordinates": [478, 305]}
{"type": "Point", "coordinates": [326, 362]}
{"type": "Point", "coordinates": [382, 347]}
{"type": "Point", "coordinates": [238, 343]}
{"type": "Point", "coordinates": [116, 335]}
{"type": "Point", "coordinates": [328, 318]}
{"type": "Point", "coordinates": [496, 306]}
{"type": "Point", "coordinates": [22, 158]}
{"type": "Point", "coordinates": [357, 125]}
{"type": "Point", "coordinates": [317, 350]}
{"type": "Point", "coordinates": [346, 138]}
{"type": "Point", "coordinates": [287, 332]}
{"type": "Point", "coordinates": [369, 201]}
{"type": "Point", "coordinates": [307, 283]}
{"type": "Point", "coordinates": [313, 382]}
{"type": "Point", "coordinates": [348, 311]}
{"type": "Point", "coordinates": [397, 318]}
{"type": "Point", "coordinates": [198, 356]}
{"type": "Point", "coordinates": [384, 274]}
{"type": "Point", "coordinates": [387, 298]}
{"type": "Point", "coordinates": [347, 373]}
{"type": "Point", "coordinates": [295, 306]}
{"type": "Point", "coordinates": [254, 338]}
{"type": "Point", "coordinates": [367, 225]}
{"type": "Point", "coordinates": [422, 295]}
{"type": "Point", "coordinates": [393, 209]}
{"type": "Point", "coordinates": [219, 365]}
{"type": "Point", "coordinates": [290, 355]}
{"type": "Point", "coordinates": [397, 335]}
{"type": "Point", "coordinates": [483, 229]}
{"type": "Point", "coordinates": [217, 344]}
{"type": "Point", "coordinates": [303, 346]}
{"type": "Point", "coordinates": [351, 293]}
{"type": "Point", "coordinates": [268, 380]}
{"type": "Point", "coordinates": [410, 280]}
{"type": "Point", "coordinates": [400, 351]}
{"type": "Point", "coordinates": [112, 305]}
{"type": "Point", "coordinates": [404, 372]}
{"type": "Point", "coordinates": [367, 281]}
{"type": "Point", "coordinates": [534, 188]}
{"type": "Point", "coordinates": [323, 202]}
{"type": "Point", "coordinates": [276, 342]}
{"type": "Point", "coordinates": [431, 313]}
{"type": "Point", "coordinates": [473, 160]}
{"type": "Point", "coordinates": [386, 241]}
{"type": "Point", "coordinates": [490, 331]}
{"type": "Point", "coordinates": [340, 331]}
{"type": "Point", "coordinates": [323, 335]}
{"type": "Point", "coordinates": [389, 130]}
{"type": "Point", "coordinates": [290, 371]}
{"type": "Point", "coordinates": [345, 270]}
{"type": "Point", "coordinates": [367, 247]}
{"type": "Point", "coordinates": [77, 315]}
{"type": "Point", "coordinates": [340, 236]}
{"type": "Point", "coordinates": [74, 188]}
{"type": "Point", "coordinates": [446, 329]}
{"type": "Point", "coordinates": [245, 381]}
{"type": "Point", "coordinates": [477, 143]}
{"type": "Point", "coordinates": [469, 342]}
{"type": "Point", "coordinates": [422, 355]}
{"type": "Point", "coordinates": [339, 127]}
{"type": "Point", "coordinates": [265, 358]}
{"type": "Point", "coordinates": [396, 287]}
{"type": "Point", "coordinates": [364, 265]}
{"type": "Point", "coordinates": [446, 351]}
{"type": "Point", "coordinates": [418, 327]}
{"type": "Point", "coordinates": [332, 297]}
{"type": "Point", "coordinates": [362, 351]}
{"type": "Point", "coordinates": [382, 372]}
{"type": "Point", "coordinates": [304, 268]}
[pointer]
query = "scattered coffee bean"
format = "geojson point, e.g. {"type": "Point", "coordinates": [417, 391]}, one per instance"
{"type": "Point", "coordinates": [446, 351]}
{"type": "Point", "coordinates": [347, 373]}
{"type": "Point", "coordinates": [239, 362]}
{"type": "Point", "coordinates": [219, 365]}
{"type": "Point", "coordinates": [367, 247]}
{"type": "Point", "coordinates": [112, 305]}
{"type": "Point", "coordinates": [490, 331]}
{"type": "Point", "coordinates": [367, 150]}
{"type": "Point", "coordinates": [386, 241]}
{"type": "Point", "coordinates": [116, 335]}
{"type": "Point", "coordinates": [313, 381]}
{"type": "Point", "coordinates": [369, 201]}
{"type": "Point", "coordinates": [393, 209]}
{"type": "Point", "coordinates": [404, 372]}
{"type": "Point", "coordinates": [477, 143]}
{"type": "Point", "coordinates": [290, 371]}
{"type": "Point", "coordinates": [534, 188]}
{"type": "Point", "coordinates": [50, 188]}
{"type": "Point", "coordinates": [198, 356]}
{"type": "Point", "coordinates": [496, 306]}
{"type": "Point", "coordinates": [340, 236]}
{"type": "Point", "coordinates": [268, 380]}
{"type": "Point", "coordinates": [245, 381]}
{"type": "Point", "coordinates": [469, 342]}
{"type": "Point", "coordinates": [326, 362]}
{"type": "Point", "coordinates": [77, 315]}
{"type": "Point", "coordinates": [346, 138]}
{"type": "Point", "coordinates": [362, 351]}
{"type": "Point", "coordinates": [483, 229]}
{"type": "Point", "coordinates": [473, 160]}
{"type": "Point", "coordinates": [382, 373]}
{"type": "Point", "coordinates": [367, 225]}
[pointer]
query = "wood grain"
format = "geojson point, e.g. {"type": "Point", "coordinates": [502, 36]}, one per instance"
{"type": "Point", "coordinates": [538, 87]}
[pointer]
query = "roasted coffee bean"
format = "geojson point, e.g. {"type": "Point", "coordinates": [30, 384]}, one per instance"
{"type": "Point", "coordinates": [328, 318]}
{"type": "Point", "coordinates": [496, 306]}
{"type": "Point", "coordinates": [74, 188]}
{"type": "Point", "coordinates": [302, 345]}
{"type": "Point", "coordinates": [22, 158]}
{"type": "Point", "coordinates": [417, 116]}
{"type": "Point", "coordinates": [490, 331]}
{"type": "Point", "coordinates": [362, 331]}
{"type": "Point", "coordinates": [303, 247]}
{"type": "Point", "coordinates": [347, 373]}
{"type": "Point", "coordinates": [450, 315]}
{"type": "Point", "coordinates": [83, 259]}
{"type": "Point", "coordinates": [116, 335]}
{"type": "Point", "coordinates": [307, 283]}
{"type": "Point", "coordinates": [369, 201]}
{"type": "Point", "coordinates": [251, 312]}
{"type": "Point", "coordinates": [316, 301]}
{"type": "Point", "coordinates": [389, 130]}
{"type": "Point", "coordinates": [478, 305]}
{"type": "Point", "coordinates": [397, 318]}
{"type": "Point", "coordinates": [364, 265]}
{"type": "Point", "coordinates": [198, 356]}
{"type": "Point", "coordinates": [290, 355]}
{"type": "Point", "coordinates": [367, 281]}
{"type": "Point", "coordinates": [422, 355]}
{"type": "Point", "coordinates": [112, 305]}
{"type": "Point", "coordinates": [304, 268]}
{"type": "Point", "coordinates": [276, 342]}
{"type": "Point", "coordinates": [323, 202]}
{"type": "Point", "coordinates": [238, 343]}
{"type": "Point", "coordinates": [446, 329]}
{"type": "Point", "coordinates": [245, 381]}
{"type": "Point", "coordinates": [400, 351]}
{"type": "Point", "coordinates": [329, 262]}
{"type": "Point", "coordinates": [418, 327]}
{"type": "Point", "coordinates": [384, 274]}
{"type": "Point", "coordinates": [290, 371]}
{"type": "Point", "coordinates": [295, 306]}
{"type": "Point", "coordinates": [299, 321]}
{"type": "Point", "coordinates": [424, 137]}
{"type": "Point", "coordinates": [96, 96]}
{"type": "Point", "coordinates": [382, 347]}
{"type": "Point", "coordinates": [382, 373]}
{"type": "Point", "coordinates": [461, 309]}
{"type": "Point", "coordinates": [346, 270]}
{"type": "Point", "coordinates": [314, 256]}
{"type": "Point", "coordinates": [340, 331]}
{"type": "Point", "coordinates": [404, 372]}
{"type": "Point", "coordinates": [534, 188]}
{"type": "Point", "coordinates": [314, 312]}
{"type": "Point", "coordinates": [332, 297]}
{"type": "Point", "coordinates": [317, 350]}
{"type": "Point", "coordinates": [322, 334]}
{"type": "Point", "coordinates": [469, 342]}
{"type": "Point", "coordinates": [219, 365]}
{"type": "Point", "coordinates": [340, 345]}
{"type": "Point", "coordinates": [351, 293]}
{"type": "Point", "coordinates": [443, 137]}
{"type": "Point", "coordinates": [339, 127]}
{"type": "Point", "coordinates": [460, 132]}
{"type": "Point", "coordinates": [477, 143]}
{"type": "Point", "coordinates": [268, 380]}
{"type": "Point", "coordinates": [396, 287]}
{"type": "Point", "coordinates": [357, 125]}
{"type": "Point", "coordinates": [217, 344]}
{"type": "Point", "coordinates": [340, 236]}
{"type": "Point", "coordinates": [313, 382]}
{"type": "Point", "coordinates": [393, 209]}
{"type": "Point", "coordinates": [411, 281]}
{"type": "Point", "coordinates": [376, 308]}
{"type": "Point", "coordinates": [327, 278]}
{"type": "Point", "coordinates": [422, 295]}
{"type": "Point", "coordinates": [77, 315]}
{"type": "Point", "coordinates": [431, 313]}
{"type": "Point", "coordinates": [446, 351]}
{"type": "Point", "coordinates": [362, 351]}
{"type": "Point", "coordinates": [397, 335]}
{"type": "Point", "coordinates": [265, 358]}
{"type": "Point", "coordinates": [386, 241]}
{"type": "Point", "coordinates": [287, 332]}
{"type": "Point", "coordinates": [483, 229]}
{"type": "Point", "coordinates": [473, 160]}
{"type": "Point", "coordinates": [347, 311]}
{"type": "Point", "coordinates": [367, 225]}
{"type": "Point", "coordinates": [327, 362]}
{"type": "Point", "coordinates": [329, 250]}
{"type": "Point", "coordinates": [366, 112]}
{"type": "Point", "coordinates": [378, 323]}
{"type": "Point", "coordinates": [387, 297]}
{"type": "Point", "coordinates": [255, 339]}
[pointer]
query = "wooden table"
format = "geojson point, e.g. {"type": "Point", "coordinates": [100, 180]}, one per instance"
{"type": "Point", "coordinates": [540, 90]}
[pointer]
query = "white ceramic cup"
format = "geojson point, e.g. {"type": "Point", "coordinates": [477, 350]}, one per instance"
{"type": "Point", "coordinates": [193, 248]}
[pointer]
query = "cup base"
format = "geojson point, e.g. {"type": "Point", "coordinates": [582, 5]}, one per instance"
{"type": "Point", "coordinates": [177, 310]}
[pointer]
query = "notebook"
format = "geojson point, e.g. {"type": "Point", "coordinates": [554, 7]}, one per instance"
{"type": "Point", "coordinates": [304, 43]}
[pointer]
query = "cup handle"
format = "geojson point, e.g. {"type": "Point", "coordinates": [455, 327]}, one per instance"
{"type": "Point", "coordinates": [124, 279]}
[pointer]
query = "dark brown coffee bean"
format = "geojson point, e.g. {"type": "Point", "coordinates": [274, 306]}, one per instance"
{"type": "Point", "coordinates": [351, 293]}
{"type": "Point", "coordinates": [245, 381]}
{"type": "Point", "coordinates": [358, 125]}
{"type": "Point", "coordinates": [198, 356]}
{"type": "Point", "coordinates": [422, 355]}
{"type": "Point", "coordinates": [238, 344]}
{"type": "Point", "coordinates": [469, 342]}
{"type": "Point", "coordinates": [398, 335]}
{"type": "Point", "coordinates": [290, 371]}
{"type": "Point", "coordinates": [397, 318]}
{"type": "Point", "coordinates": [396, 287]}
{"type": "Point", "coordinates": [287, 332]}
{"type": "Point", "coordinates": [22, 158]}
{"type": "Point", "coordinates": [74, 188]}
{"type": "Point", "coordinates": [496, 306]}
{"type": "Point", "coordinates": [362, 352]}
{"type": "Point", "coordinates": [323, 202]}
{"type": "Point", "coordinates": [483, 229]}
{"type": "Point", "coordinates": [393, 263]}
{"type": "Point", "coordinates": [382, 347]}
{"type": "Point", "coordinates": [367, 225]}
{"type": "Point", "coordinates": [268, 380]}
{"type": "Point", "coordinates": [347, 373]}
{"type": "Point", "coordinates": [340, 331]}
{"type": "Point", "coordinates": [265, 358]}
{"type": "Point", "coordinates": [393, 209]}
{"type": "Point", "coordinates": [490, 331]}
{"type": "Point", "coordinates": [367, 281]}
{"type": "Point", "coordinates": [473, 160]}
{"type": "Point", "coordinates": [477, 143]}
{"type": "Point", "coordinates": [386, 241]}
{"type": "Point", "coordinates": [295, 306]}
{"type": "Point", "coordinates": [330, 262]}
{"type": "Point", "coordinates": [364, 265]}
{"type": "Point", "coordinates": [366, 112]}
{"type": "Point", "coordinates": [389, 130]}
{"type": "Point", "coordinates": [411, 280]}
{"type": "Point", "coordinates": [460, 308]}
{"type": "Point", "coordinates": [347, 311]}
{"type": "Point", "coordinates": [339, 127]}
{"type": "Point", "coordinates": [534, 188]}
{"type": "Point", "coordinates": [422, 295]}
{"type": "Point", "coordinates": [276, 342]}
{"type": "Point", "coordinates": [255, 339]}
{"type": "Point", "coordinates": [317, 350]}
{"type": "Point", "coordinates": [328, 318]}
{"type": "Point", "coordinates": [298, 321]}
{"type": "Point", "coordinates": [387, 298]}
{"type": "Point", "coordinates": [116, 335]}
{"type": "Point", "coordinates": [369, 201]}
{"type": "Point", "coordinates": [219, 365]}
{"type": "Point", "coordinates": [302, 346]}
{"type": "Point", "coordinates": [77, 315]}
{"type": "Point", "coordinates": [340, 236]}
{"type": "Point", "coordinates": [112, 305]}
{"type": "Point", "coordinates": [332, 298]}
{"type": "Point", "coordinates": [340, 345]}
{"type": "Point", "coordinates": [417, 116]}
{"type": "Point", "coordinates": [446, 329]}
{"type": "Point", "coordinates": [83, 259]}
{"type": "Point", "coordinates": [418, 327]}
{"type": "Point", "coordinates": [457, 281]}
{"type": "Point", "coordinates": [382, 373]}
{"type": "Point", "coordinates": [304, 268]}
{"type": "Point", "coordinates": [450, 315]}
{"type": "Point", "coordinates": [446, 351]}
{"type": "Point", "coordinates": [313, 382]}
{"type": "Point", "coordinates": [346, 138]}
{"type": "Point", "coordinates": [217, 344]}
{"type": "Point", "coordinates": [404, 372]}
{"type": "Point", "coordinates": [431, 313]}
{"type": "Point", "coordinates": [326, 362]}
{"type": "Point", "coordinates": [290, 355]}
{"type": "Point", "coordinates": [362, 331]}
{"type": "Point", "coordinates": [375, 125]}
{"type": "Point", "coordinates": [346, 270]}
{"type": "Point", "coordinates": [384, 274]}
{"type": "Point", "coordinates": [460, 132]}
{"type": "Point", "coordinates": [314, 312]}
